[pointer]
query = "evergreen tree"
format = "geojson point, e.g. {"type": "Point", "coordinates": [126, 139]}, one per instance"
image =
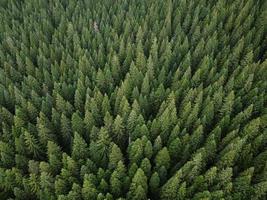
{"type": "Point", "coordinates": [32, 144]}
{"type": "Point", "coordinates": [89, 190]}
{"type": "Point", "coordinates": [163, 158]}
{"type": "Point", "coordinates": [77, 124]}
{"type": "Point", "coordinates": [118, 130]}
{"type": "Point", "coordinates": [117, 179]}
{"type": "Point", "coordinates": [138, 186]}
{"type": "Point", "coordinates": [65, 129]}
{"type": "Point", "coordinates": [54, 157]}
{"type": "Point", "coordinates": [45, 130]}
{"type": "Point", "coordinates": [100, 149]}
{"type": "Point", "coordinates": [7, 155]}
{"type": "Point", "coordinates": [115, 156]}
{"type": "Point", "coordinates": [80, 150]}
{"type": "Point", "coordinates": [154, 183]}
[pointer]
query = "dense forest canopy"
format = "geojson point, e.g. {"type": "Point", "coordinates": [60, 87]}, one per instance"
{"type": "Point", "coordinates": [133, 99]}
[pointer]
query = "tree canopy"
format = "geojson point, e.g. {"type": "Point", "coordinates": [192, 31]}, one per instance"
{"type": "Point", "coordinates": [133, 100]}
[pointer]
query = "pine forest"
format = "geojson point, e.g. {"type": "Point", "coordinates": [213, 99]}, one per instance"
{"type": "Point", "coordinates": [133, 99]}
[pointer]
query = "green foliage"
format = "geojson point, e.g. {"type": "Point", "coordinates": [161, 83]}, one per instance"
{"type": "Point", "coordinates": [133, 100]}
{"type": "Point", "coordinates": [138, 187]}
{"type": "Point", "coordinates": [54, 157]}
{"type": "Point", "coordinates": [79, 148]}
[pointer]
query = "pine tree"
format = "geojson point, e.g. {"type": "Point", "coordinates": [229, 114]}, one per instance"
{"type": "Point", "coordinates": [163, 158]}
{"type": "Point", "coordinates": [7, 155]}
{"type": "Point", "coordinates": [115, 156]}
{"type": "Point", "coordinates": [146, 166]}
{"type": "Point", "coordinates": [136, 151]}
{"type": "Point", "coordinates": [79, 98]}
{"type": "Point", "coordinates": [77, 124]}
{"type": "Point", "coordinates": [100, 149]}
{"type": "Point", "coordinates": [117, 179]}
{"type": "Point", "coordinates": [119, 131]}
{"type": "Point", "coordinates": [45, 129]}
{"type": "Point", "coordinates": [79, 150]}
{"type": "Point", "coordinates": [75, 192]}
{"type": "Point", "coordinates": [100, 80]}
{"type": "Point", "coordinates": [32, 144]}
{"type": "Point", "coordinates": [54, 157]}
{"type": "Point", "coordinates": [46, 186]}
{"type": "Point", "coordinates": [145, 85]}
{"type": "Point", "coordinates": [170, 189]}
{"type": "Point", "coordinates": [89, 121]}
{"type": "Point", "coordinates": [89, 190]}
{"type": "Point", "coordinates": [148, 149]}
{"type": "Point", "coordinates": [241, 185]}
{"type": "Point", "coordinates": [175, 149]}
{"type": "Point", "coordinates": [154, 183]}
{"type": "Point", "coordinates": [65, 129]}
{"type": "Point", "coordinates": [138, 186]}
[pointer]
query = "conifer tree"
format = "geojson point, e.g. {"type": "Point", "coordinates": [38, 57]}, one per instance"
{"type": "Point", "coordinates": [54, 157]}
{"type": "Point", "coordinates": [77, 124]}
{"type": "Point", "coordinates": [117, 179]}
{"type": "Point", "coordinates": [45, 129]}
{"type": "Point", "coordinates": [115, 156]}
{"type": "Point", "coordinates": [89, 190]}
{"type": "Point", "coordinates": [163, 158]}
{"type": "Point", "coordinates": [100, 149]}
{"type": "Point", "coordinates": [138, 186]}
{"type": "Point", "coordinates": [118, 130]}
{"type": "Point", "coordinates": [80, 150]}
{"type": "Point", "coordinates": [65, 129]}
{"type": "Point", "coordinates": [7, 155]}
